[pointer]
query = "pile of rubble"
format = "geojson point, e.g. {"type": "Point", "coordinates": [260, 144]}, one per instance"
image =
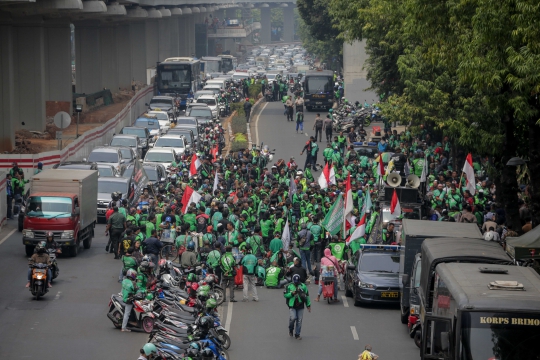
{"type": "Point", "coordinates": [23, 144]}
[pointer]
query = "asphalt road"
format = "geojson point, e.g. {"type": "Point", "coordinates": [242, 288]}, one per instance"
{"type": "Point", "coordinates": [70, 322]}
{"type": "Point", "coordinates": [330, 331]}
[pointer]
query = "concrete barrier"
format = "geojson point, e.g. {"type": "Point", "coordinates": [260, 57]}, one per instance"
{"type": "Point", "coordinates": [80, 148]}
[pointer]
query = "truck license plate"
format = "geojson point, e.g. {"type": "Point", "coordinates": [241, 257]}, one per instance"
{"type": "Point", "coordinates": [392, 294]}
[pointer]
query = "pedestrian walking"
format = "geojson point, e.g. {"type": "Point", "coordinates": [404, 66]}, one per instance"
{"type": "Point", "coordinates": [307, 149]}
{"type": "Point", "coordinates": [297, 296]}
{"type": "Point", "coordinates": [249, 263]}
{"type": "Point", "coordinates": [247, 109]}
{"type": "Point", "coordinates": [318, 127]}
{"type": "Point", "coordinates": [227, 264]}
{"type": "Point", "coordinates": [327, 127]}
{"type": "Point", "coordinates": [300, 122]}
{"type": "Point", "coordinates": [115, 226]}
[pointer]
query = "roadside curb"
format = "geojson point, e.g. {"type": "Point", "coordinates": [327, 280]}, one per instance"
{"type": "Point", "coordinates": [254, 112]}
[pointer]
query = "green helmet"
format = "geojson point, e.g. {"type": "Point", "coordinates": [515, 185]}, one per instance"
{"type": "Point", "coordinates": [205, 288]}
{"type": "Point", "coordinates": [331, 110]}
{"type": "Point", "coordinates": [211, 303]}
{"type": "Point", "coordinates": [150, 349]}
{"type": "Point", "coordinates": [191, 277]}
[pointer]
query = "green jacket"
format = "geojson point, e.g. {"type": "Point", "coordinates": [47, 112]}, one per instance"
{"type": "Point", "coordinates": [295, 301]}
{"type": "Point", "coordinates": [213, 259]}
{"type": "Point", "coordinates": [273, 275]}
{"type": "Point", "coordinates": [227, 264]}
{"type": "Point", "coordinates": [129, 262]}
{"type": "Point", "coordinates": [250, 263]}
{"type": "Point", "coordinates": [276, 245]}
{"type": "Point", "coordinates": [128, 289]}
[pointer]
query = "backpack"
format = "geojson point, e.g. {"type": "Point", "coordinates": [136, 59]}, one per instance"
{"type": "Point", "coordinates": [366, 355]}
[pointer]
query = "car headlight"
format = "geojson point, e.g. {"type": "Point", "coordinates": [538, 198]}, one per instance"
{"type": "Point", "coordinates": [28, 234]}
{"type": "Point", "coordinates": [366, 285]}
{"type": "Point", "coordinates": [68, 234]}
{"type": "Point", "coordinates": [415, 309]}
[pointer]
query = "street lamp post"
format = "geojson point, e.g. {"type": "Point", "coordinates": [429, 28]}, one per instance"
{"type": "Point", "coordinates": [78, 109]}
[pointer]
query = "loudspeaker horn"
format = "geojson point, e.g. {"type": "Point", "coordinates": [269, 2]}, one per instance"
{"type": "Point", "coordinates": [394, 180]}
{"type": "Point", "coordinates": [413, 181]}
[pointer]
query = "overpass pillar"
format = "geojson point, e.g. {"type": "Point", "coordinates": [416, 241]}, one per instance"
{"type": "Point", "coordinates": [164, 29]}
{"type": "Point", "coordinates": [87, 57]}
{"type": "Point", "coordinates": [175, 37]}
{"type": "Point", "coordinates": [152, 42]}
{"type": "Point", "coordinates": [8, 108]}
{"type": "Point", "coordinates": [182, 36]}
{"type": "Point", "coordinates": [124, 55]}
{"type": "Point", "coordinates": [288, 23]}
{"type": "Point", "coordinates": [190, 30]}
{"type": "Point", "coordinates": [108, 50]}
{"type": "Point", "coordinates": [138, 50]}
{"type": "Point", "coordinates": [265, 25]}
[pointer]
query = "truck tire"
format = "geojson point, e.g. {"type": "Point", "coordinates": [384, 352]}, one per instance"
{"type": "Point", "coordinates": [403, 315]}
{"type": "Point", "coordinates": [88, 241]}
{"type": "Point", "coordinates": [29, 250]}
{"type": "Point", "coordinates": [74, 250]}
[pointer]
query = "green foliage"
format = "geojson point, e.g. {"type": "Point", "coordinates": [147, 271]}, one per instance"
{"type": "Point", "coordinates": [256, 15]}
{"type": "Point", "coordinates": [240, 137]}
{"type": "Point", "coordinates": [239, 145]}
{"type": "Point", "coordinates": [238, 124]}
{"type": "Point", "coordinates": [254, 91]}
{"type": "Point", "coordinates": [316, 16]}
{"type": "Point", "coordinates": [276, 17]}
{"type": "Point", "coordinates": [238, 107]}
{"type": "Point", "coordinates": [325, 50]}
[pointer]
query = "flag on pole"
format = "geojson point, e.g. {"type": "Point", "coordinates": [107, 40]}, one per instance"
{"type": "Point", "coordinates": [423, 177]}
{"type": "Point", "coordinates": [195, 163]}
{"type": "Point", "coordinates": [367, 202]}
{"type": "Point", "coordinates": [407, 169]}
{"type": "Point", "coordinates": [380, 168]}
{"type": "Point", "coordinates": [292, 188]}
{"type": "Point", "coordinates": [469, 174]}
{"type": "Point", "coordinates": [349, 206]}
{"type": "Point", "coordinates": [334, 218]}
{"type": "Point", "coordinates": [360, 229]}
{"type": "Point", "coordinates": [327, 177]}
{"type": "Point", "coordinates": [395, 208]}
{"type": "Point", "coordinates": [190, 196]}
{"type": "Point", "coordinates": [286, 236]}
{"type": "Point", "coordinates": [216, 182]}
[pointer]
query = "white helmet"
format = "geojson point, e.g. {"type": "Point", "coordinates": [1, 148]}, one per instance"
{"type": "Point", "coordinates": [489, 236]}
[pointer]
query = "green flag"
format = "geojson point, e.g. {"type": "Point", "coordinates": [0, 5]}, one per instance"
{"type": "Point", "coordinates": [334, 218]}
{"type": "Point", "coordinates": [337, 250]}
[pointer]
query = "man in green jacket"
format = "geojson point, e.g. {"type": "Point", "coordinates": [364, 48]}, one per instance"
{"type": "Point", "coordinates": [274, 276]}
{"type": "Point", "coordinates": [276, 244]}
{"type": "Point", "coordinates": [249, 263]}
{"type": "Point", "coordinates": [128, 291]}
{"type": "Point", "coordinates": [227, 265]}
{"type": "Point", "coordinates": [297, 296]}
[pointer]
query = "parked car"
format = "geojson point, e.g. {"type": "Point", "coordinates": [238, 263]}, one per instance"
{"type": "Point", "coordinates": [156, 172]}
{"type": "Point", "coordinates": [109, 185]}
{"type": "Point", "coordinates": [163, 103]}
{"type": "Point", "coordinates": [108, 155]}
{"type": "Point", "coordinates": [211, 101]}
{"type": "Point", "coordinates": [175, 142]}
{"type": "Point", "coordinates": [145, 138]}
{"type": "Point", "coordinates": [186, 133]}
{"type": "Point", "coordinates": [105, 170]}
{"type": "Point", "coordinates": [76, 165]}
{"type": "Point", "coordinates": [203, 114]}
{"type": "Point", "coordinates": [163, 119]}
{"type": "Point", "coordinates": [128, 140]}
{"type": "Point", "coordinates": [164, 156]}
{"type": "Point", "coordinates": [151, 123]}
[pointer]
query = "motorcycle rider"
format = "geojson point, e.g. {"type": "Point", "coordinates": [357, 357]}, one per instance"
{"type": "Point", "coordinates": [129, 288]}
{"type": "Point", "coordinates": [51, 244]}
{"type": "Point", "coordinates": [40, 257]}
{"type": "Point", "coordinates": [189, 258]}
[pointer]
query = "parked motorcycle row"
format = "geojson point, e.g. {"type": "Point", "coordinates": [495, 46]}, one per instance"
{"type": "Point", "coordinates": [180, 315]}
{"type": "Point", "coordinates": [354, 115]}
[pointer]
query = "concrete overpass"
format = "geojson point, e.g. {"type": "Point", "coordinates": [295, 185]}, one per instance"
{"type": "Point", "coordinates": [114, 45]}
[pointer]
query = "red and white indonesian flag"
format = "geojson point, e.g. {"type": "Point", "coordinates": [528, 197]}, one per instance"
{"type": "Point", "coordinates": [195, 163]}
{"type": "Point", "coordinates": [348, 203]}
{"type": "Point", "coordinates": [327, 177]}
{"type": "Point", "coordinates": [395, 208]}
{"type": "Point", "coordinates": [469, 174]}
{"type": "Point", "coordinates": [380, 168]}
{"type": "Point", "coordinates": [190, 196]}
{"type": "Point", "coordinates": [360, 229]}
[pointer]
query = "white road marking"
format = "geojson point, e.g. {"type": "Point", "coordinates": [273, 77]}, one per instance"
{"type": "Point", "coordinates": [345, 302]}
{"type": "Point", "coordinates": [257, 140]}
{"type": "Point", "coordinates": [7, 236]}
{"type": "Point", "coordinates": [229, 316]}
{"type": "Point", "coordinates": [354, 333]}
{"type": "Point", "coordinates": [57, 295]}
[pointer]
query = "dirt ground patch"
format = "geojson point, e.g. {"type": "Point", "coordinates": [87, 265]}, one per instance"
{"type": "Point", "coordinates": [34, 142]}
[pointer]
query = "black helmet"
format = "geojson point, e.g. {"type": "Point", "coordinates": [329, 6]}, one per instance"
{"type": "Point", "coordinates": [207, 353]}
{"type": "Point", "coordinates": [50, 234]}
{"type": "Point", "coordinates": [206, 322]}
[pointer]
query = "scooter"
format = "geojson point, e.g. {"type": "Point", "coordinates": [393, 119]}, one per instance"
{"type": "Point", "coordinates": [54, 265]}
{"type": "Point", "coordinates": [415, 332]}
{"type": "Point", "coordinates": [140, 319]}
{"type": "Point", "coordinates": [328, 288]}
{"type": "Point", "coordinates": [38, 281]}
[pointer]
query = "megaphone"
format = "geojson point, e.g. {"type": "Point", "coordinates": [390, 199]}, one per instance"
{"type": "Point", "coordinates": [394, 180]}
{"type": "Point", "coordinates": [413, 181]}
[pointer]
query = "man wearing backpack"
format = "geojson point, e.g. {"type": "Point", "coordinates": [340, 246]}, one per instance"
{"type": "Point", "coordinates": [249, 262]}
{"type": "Point", "coordinates": [304, 245]}
{"type": "Point", "coordinates": [367, 354]}
{"type": "Point", "coordinates": [297, 297]}
{"type": "Point", "coordinates": [256, 243]}
{"type": "Point", "coordinates": [227, 265]}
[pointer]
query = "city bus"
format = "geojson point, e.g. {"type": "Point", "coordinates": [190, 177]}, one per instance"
{"type": "Point", "coordinates": [319, 89]}
{"type": "Point", "coordinates": [211, 64]}
{"type": "Point", "coordinates": [177, 77]}
{"type": "Point", "coordinates": [228, 63]}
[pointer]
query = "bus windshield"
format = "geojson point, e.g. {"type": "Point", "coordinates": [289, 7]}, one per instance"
{"type": "Point", "coordinates": [500, 336]}
{"type": "Point", "coordinates": [212, 66]}
{"type": "Point", "coordinates": [174, 77]}
{"type": "Point", "coordinates": [227, 64]}
{"type": "Point", "coordinates": [317, 84]}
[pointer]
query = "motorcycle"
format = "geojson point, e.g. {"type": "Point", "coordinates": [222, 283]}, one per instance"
{"type": "Point", "coordinates": [54, 265]}
{"type": "Point", "coordinates": [141, 317]}
{"type": "Point", "coordinates": [415, 332]}
{"type": "Point", "coordinates": [38, 280]}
